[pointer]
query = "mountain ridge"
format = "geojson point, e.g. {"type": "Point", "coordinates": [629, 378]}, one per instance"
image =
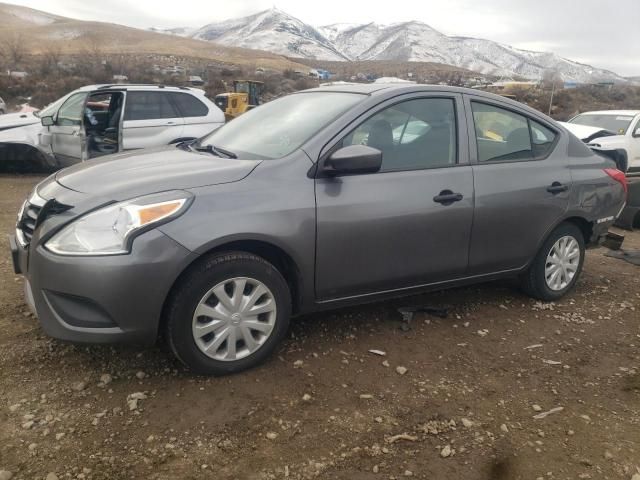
{"type": "Point", "coordinates": [276, 31]}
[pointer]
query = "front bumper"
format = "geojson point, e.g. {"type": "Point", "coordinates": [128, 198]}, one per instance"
{"type": "Point", "coordinates": [102, 299]}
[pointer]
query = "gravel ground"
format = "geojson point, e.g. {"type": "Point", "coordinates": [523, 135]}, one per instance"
{"type": "Point", "coordinates": [504, 387]}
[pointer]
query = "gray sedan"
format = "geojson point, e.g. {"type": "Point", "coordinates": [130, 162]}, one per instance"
{"type": "Point", "coordinates": [327, 197]}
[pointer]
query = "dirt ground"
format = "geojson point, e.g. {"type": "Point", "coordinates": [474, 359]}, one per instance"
{"type": "Point", "coordinates": [325, 407]}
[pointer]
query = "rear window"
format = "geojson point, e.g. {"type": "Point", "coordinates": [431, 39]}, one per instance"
{"type": "Point", "coordinates": [149, 106]}
{"type": "Point", "coordinates": [189, 105]}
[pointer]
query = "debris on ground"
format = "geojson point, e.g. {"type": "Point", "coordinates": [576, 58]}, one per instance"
{"type": "Point", "coordinates": [378, 352]}
{"type": "Point", "coordinates": [547, 413]}
{"type": "Point", "coordinates": [631, 256]}
{"type": "Point", "coordinates": [402, 436]}
{"type": "Point", "coordinates": [408, 312]}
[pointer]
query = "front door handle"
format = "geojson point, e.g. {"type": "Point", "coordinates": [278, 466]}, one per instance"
{"type": "Point", "coordinates": [447, 197]}
{"type": "Point", "coordinates": [557, 187]}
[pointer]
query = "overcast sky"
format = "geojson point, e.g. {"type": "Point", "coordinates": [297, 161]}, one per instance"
{"type": "Point", "coordinates": [602, 33]}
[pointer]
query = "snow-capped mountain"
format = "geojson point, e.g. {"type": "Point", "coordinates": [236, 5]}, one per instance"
{"type": "Point", "coordinates": [416, 41]}
{"type": "Point", "coordinates": [272, 30]}
{"type": "Point", "coordinates": [276, 31]}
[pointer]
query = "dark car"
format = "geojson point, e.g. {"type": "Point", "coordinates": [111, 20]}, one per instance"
{"type": "Point", "coordinates": [323, 198]}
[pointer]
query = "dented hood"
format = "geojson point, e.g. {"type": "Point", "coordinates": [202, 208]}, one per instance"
{"type": "Point", "coordinates": [586, 133]}
{"type": "Point", "coordinates": [135, 173]}
{"type": "Point", "coordinates": [13, 120]}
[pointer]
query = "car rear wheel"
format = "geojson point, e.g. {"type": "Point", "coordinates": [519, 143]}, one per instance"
{"type": "Point", "coordinates": [557, 266]}
{"type": "Point", "coordinates": [228, 313]}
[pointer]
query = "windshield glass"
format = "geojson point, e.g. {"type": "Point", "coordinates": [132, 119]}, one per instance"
{"type": "Point", "coordinates": [618, 124]}
{"type": "Point", "coordinates": [277, 128]}
{"type": "Point", "coordinates": [51, 109]}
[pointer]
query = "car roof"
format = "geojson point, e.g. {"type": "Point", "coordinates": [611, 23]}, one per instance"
{"type": "Point", "coordinates": [393, 89]}
{"type": "Point", "coordinates": [612, 112]}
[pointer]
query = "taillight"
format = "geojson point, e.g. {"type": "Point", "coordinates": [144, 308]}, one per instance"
{"type": "Point", "coordinates": [619, 177]}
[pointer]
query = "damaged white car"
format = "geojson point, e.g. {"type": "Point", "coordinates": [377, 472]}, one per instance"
{"type": "Point", "coordinates": [610, 130]}
{"type": "Point", "coordinates": [99, 120]}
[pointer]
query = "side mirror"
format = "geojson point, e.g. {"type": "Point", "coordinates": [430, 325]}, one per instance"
{"type": "Point", "coordinates": [353, 159]}
{"type": "Point", "coordinates": [637, 132]}
{"type": "Point", "coordinates": [47, 121]}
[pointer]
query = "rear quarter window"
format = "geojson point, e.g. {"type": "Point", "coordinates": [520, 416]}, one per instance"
{"type": "Point", "coordinates": [188, 105]}
{"type": "Point", "coordinates": [542, 139]}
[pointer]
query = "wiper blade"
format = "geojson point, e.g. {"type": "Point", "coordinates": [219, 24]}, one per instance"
{"type": "Point", "coordinates": [219, 152]}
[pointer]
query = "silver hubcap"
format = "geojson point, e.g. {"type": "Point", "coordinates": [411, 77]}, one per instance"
{"type": "Point", "coordinates": [562, 263]}
{"type": "Point", "coordinates": [234, 319]}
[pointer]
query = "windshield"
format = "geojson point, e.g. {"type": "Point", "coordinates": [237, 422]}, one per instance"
{"type": "Point", "coordinates": [277, 128]}
{"type": "Point", "coordinates": [618, 124]}
{"type": "Point", "coordinates": [51, 109]}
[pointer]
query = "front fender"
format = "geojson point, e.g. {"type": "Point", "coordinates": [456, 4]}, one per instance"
{"type": "Point", "coordinates": [29, 136]}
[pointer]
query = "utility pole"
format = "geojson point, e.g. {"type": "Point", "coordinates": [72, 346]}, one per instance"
{"type": "Point", "coordinates": [553, 90]}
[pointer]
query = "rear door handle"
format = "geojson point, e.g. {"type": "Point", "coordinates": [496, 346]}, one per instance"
{"type": "Point", "coordinates": [447, 197]}
{"type": "Point", "coordinates": [557, 187]}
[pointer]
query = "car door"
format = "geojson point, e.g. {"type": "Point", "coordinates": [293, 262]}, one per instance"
{"type": "Point", "coordinates": [150, 120]}
{"type": "Point", "coordinates": [522, 184]}
{"type": "Point", "coordinates": [68, 139]}
{"type": "Point", "coordinates": [392, 230]}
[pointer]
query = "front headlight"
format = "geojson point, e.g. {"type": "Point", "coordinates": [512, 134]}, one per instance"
{"type": "Point", "coordinates": [108, 231]}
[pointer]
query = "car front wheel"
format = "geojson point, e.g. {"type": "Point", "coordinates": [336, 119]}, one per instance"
{"type": "Point", "coordinates": [228, 313]}
{"type": "Point", "coordinates": [557, 266]}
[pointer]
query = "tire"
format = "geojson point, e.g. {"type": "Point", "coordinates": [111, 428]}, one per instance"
{"type": "Point", "coordinates": [534, 280]}
{"type": "Point", "coordinates": [224, 321]}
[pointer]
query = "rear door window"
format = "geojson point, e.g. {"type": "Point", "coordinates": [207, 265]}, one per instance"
{"type": "Point", "coordinates": [503, 135]}
{"type": "Point", "coordinates": [149, 106]}
{"type": "Point", "coordinates": [188, 105]}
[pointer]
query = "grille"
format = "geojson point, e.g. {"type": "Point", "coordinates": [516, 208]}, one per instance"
{"type": "Point", "coordinates": [29, 217]}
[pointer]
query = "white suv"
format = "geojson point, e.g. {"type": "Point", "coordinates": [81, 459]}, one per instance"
{"type": "Point", "coordinates": [610, 129]}
{"type": "Point", "coordinates": [103, 119]}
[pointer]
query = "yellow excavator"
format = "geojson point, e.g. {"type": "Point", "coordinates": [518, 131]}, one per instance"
{"type": "Point", "coordinates": [245, 96]}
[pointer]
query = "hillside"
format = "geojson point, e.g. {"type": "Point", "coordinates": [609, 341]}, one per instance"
{"type": "Point", "coordinates": [39, 31]}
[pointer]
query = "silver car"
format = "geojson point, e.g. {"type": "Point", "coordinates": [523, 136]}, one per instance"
{"type": "Point", "coordinates": [328, 197]}
{"type": "Point", "coordinates": [99, 120]}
